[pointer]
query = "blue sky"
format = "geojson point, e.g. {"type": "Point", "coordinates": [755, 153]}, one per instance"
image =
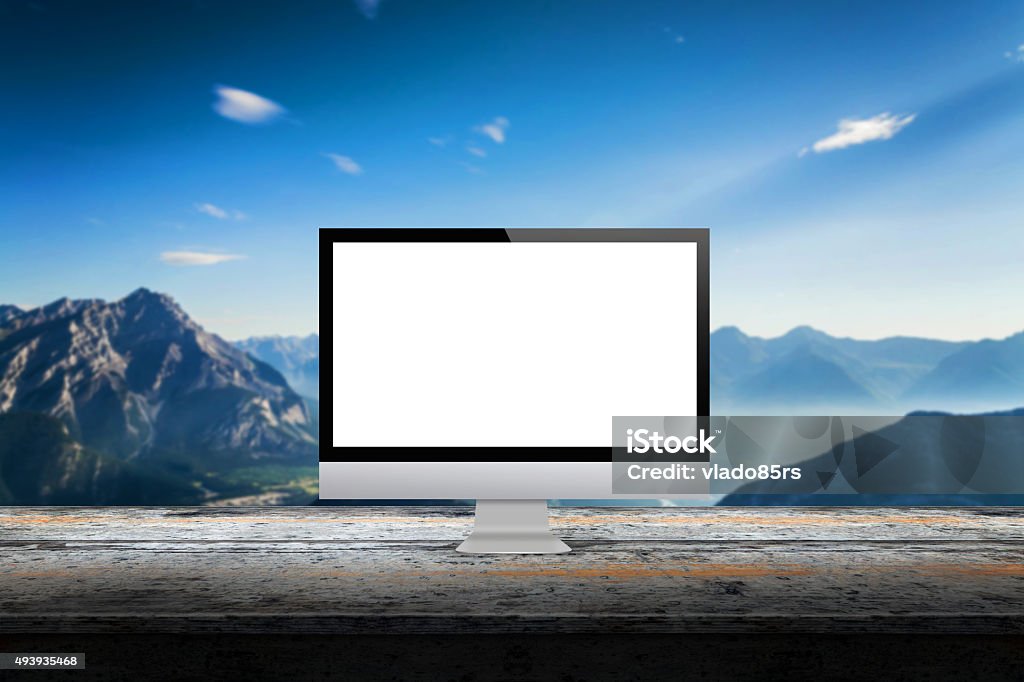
{"type": "Point", "coordinates": [195, 147]}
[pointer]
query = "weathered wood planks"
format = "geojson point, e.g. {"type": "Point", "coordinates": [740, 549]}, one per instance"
{"type": "Point", "coordinates": [377, 570]}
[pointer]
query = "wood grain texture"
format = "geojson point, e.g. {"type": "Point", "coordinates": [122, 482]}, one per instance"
{"type": "Point", "coordinates": [378, 570]}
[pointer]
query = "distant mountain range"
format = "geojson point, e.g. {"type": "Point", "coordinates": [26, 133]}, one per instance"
{"type": "Point", "coordinates": [137, 382]}
{"type": "Point", "coordinates": [809, 372]}
{"type": "Point", "coordinates": [804, 371]}
{"type": "Point", "coordinates": [296, 357]}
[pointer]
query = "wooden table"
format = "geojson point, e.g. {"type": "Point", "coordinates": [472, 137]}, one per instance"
{"type": "Point", "coordinates": [722, 573]}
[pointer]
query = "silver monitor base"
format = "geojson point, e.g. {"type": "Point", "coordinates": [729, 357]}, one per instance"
{"type": "Point", "coordinates": [512, 527]}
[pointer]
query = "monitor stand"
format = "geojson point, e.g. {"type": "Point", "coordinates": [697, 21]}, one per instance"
{"type": "Point", "coordinates": [512, 527]}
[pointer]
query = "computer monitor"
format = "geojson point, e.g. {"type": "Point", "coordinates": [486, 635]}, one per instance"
{"type": "Point", "coordinates": [487, 363]}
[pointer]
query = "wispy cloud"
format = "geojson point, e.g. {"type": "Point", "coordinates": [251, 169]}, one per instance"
{"type": "Point", "coordinates": [244, 106]}
{"type": "Point", "coordinates": [440, 141]}
{"type": "Point", "coordinates": [854, 131]}
{"type": "Point", "coordinates": [219, 213]}
{"type": "Point", "coordinates": [1015, 55]}
{"type": "Point", "coordinates": [476, 151]}
{"type": "Point", "coordinates": [495, 129]}
{"type": "Point", "coordinates": [368, 7]}
{"type": "Point", "coordinates": [212, 211]}
{"type": "Point", "coordinates": [346, 164]}
{"type": "Point", "coordinates": [471, 169]}
{"type": "Point", "coordinates": [677, 38]}
{"type": "Point", "coordinates": [193, 258]}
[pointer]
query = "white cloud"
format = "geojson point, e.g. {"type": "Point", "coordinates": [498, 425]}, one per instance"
{"type": "Point", "coordinates": [212, 211]}
{"type": "Point", "coordinates": [476, 151]}
{"type": "Point", "coordinates": [219, 213]}
{"type": "Point", "coordinates": [495, 129]}
{"type": "Point", "coordinates": [244, 106]}
{"type": "Point", "coordinates": [853, 131]}
{"type": "Point", "coordinates": [346, 164]}
{"type": "Point", "coordinates": [190, 258]}
{"type": "Point", "coordinates": [803, 152]}
{"type": "Point", "coordinates": [439, 141]}
{"type": "Point", "coordinates": [368, 7]}
{"type": "Point", "coordinates": [1015, 55]}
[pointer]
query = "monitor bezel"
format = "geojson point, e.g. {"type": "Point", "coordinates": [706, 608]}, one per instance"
{"type": "Point", "coordinates": [328, 236]}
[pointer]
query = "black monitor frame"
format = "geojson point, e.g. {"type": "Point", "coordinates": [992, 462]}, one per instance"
{"type": "Point", "coordinates": [331, 235]}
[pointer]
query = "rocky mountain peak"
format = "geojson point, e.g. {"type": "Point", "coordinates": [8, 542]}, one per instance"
{"type": "Point", "coordinates": [149, 314]}
{"type": "Point", "coordinates": [139, 375]}
{"type": "Point", "coordinates": [9, 312]}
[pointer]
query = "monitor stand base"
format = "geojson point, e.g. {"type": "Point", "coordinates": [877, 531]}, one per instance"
{"type": "Point", "coordinates": [512, 527]}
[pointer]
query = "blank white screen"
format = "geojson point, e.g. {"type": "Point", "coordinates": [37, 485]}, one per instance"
{"type": "Point", "coordinates": [509, 344]}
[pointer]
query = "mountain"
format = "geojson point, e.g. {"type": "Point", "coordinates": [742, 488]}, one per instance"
{"type": "Point", "coordinates": [137, 378]}
{"type": "Point", "coordinates": [60, 471]}
{"type": "Point", "coordinates": [296, 357]}
{"type": "Point", "coordinates": [931, 458]}
{"type": "Point", "coordinates": [62, 307]}
{"type": "Point", "coordinates": [983, 375]}
{"type": "Point", "coordinates": [809, 371]}
{"type": "Point", "coordinates": [733, 355]}
{"type": "Point", "coordinates": [9, 313]}
{"type": "Point", "coordinates": [804, 378]}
